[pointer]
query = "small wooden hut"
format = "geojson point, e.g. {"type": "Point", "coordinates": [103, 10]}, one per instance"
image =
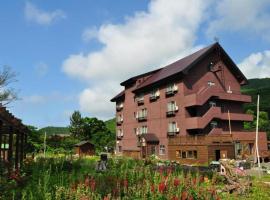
{"type": "Point", "coordinates": [85, 148]}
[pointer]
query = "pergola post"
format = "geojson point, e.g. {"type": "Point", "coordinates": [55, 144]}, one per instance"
{"type": "Point", "coordinates": [10, 146]}
{"type": "Point", "coordinates": [4, 149]}
{"type": "Point", "coordinates": [17, 150]}
{"type": "Point", "coordinates": [25, 143]}
{"type": "Point", "coordinates": [0, 143]}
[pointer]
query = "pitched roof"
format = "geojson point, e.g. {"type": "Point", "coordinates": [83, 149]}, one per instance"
{"type": "Point", "coordinates": [186, 63]}
{"type": "Point", "coordinates": [82, 143]}
{"type": "Point", "coordinates": [119, 95]}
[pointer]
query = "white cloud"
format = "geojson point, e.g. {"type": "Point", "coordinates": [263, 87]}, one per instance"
{"type": "Point", "coordinates": [89, 34]}
{"type": "Point", "coordinates": [143, 42]}
{"type": "Point", "coordinates": [41, 69]}
{"type": "Point", "coordinates": [34, 99]}
{"type": "Point", "coordinates": [34, 14]}
{"type": "Point", "coordinates": [256, 65]}
{"type": "Point", "coordinates": [248, 16]}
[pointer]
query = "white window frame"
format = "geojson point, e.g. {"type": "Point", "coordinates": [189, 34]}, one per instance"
{"type": "Point", "coordinates": [162, 149]}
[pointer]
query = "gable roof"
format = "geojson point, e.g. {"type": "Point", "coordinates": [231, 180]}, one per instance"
{"type": "Point", "coordinates": [82, 143]}
{"type": "Point", "coordinates": [119, 95]}
{"type": "Point", "coordinates": [186, 63]}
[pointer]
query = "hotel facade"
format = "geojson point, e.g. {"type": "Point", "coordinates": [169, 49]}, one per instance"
{"type": "Point", "coordinates": [190, 111]}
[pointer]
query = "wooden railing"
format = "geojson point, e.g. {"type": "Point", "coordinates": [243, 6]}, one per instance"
{"type": "Point", "coordinates": [200, 139]}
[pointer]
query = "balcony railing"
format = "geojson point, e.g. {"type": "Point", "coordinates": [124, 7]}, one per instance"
{"type": "Point", "coordinates": [206, 92]}
{"type": "Point", "coordinates": [201, 140]}
{"type": "Point", "coordinates": [119, 121]}
{"type": "Point", "coordinates": [173, 132]}
{"type": "Point", "coordinates": [172, 112]}
{"type": "Point", "coordinates": [141, 118]}
{"type": "Point", "coordinates": [140, 101]}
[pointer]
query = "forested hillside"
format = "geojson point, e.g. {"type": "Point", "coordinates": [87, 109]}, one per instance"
{"type": "Point", "coordinates": [261, 86]}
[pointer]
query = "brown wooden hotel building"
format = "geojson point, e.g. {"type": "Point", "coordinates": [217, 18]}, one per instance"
{"type": "Point", "coordinates": [190, 111]}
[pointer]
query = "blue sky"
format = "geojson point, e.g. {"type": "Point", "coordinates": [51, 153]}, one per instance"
{"type": "Point", "coordinates": [71, 54]}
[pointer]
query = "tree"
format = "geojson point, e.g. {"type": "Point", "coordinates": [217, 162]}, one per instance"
{"type": "Point", "coordinates": [264, 122]}
{"type": "Point", "coordinates": [7, 94]}
{"type": "Point", "coordinates": [34, 140]}
{"type": "Point", "coordinates": [76, 126]}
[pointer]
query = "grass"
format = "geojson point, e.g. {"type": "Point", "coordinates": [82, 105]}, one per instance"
{"type": "Point", "coordinates": [63, 177]}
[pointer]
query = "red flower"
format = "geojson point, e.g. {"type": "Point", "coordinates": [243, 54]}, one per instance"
{"type": "Point", "coordinates": [87, 182]}
{"type": "Point", "coordinates": [201, 179]}
{"type": "Point", "coordinates": [194, 181]}
{"type": "Point", "coordinates": [153, 188]}
{"type": "Point", "coordinates": [125, 182]}
{"type": "Point", "coordinates": [174, 198]}
{"type": "Point", "coordinates": [176, 182]}
{"type": "Point", "coordinates": [184, 195]}
{"type": "Point", "coordinates": [106, 198]}
{"type": "Point", "coordinates": [190, 198]}
{"type": "Point", "coordinates": [161, 187]}
{"type": "Point", "coordinates": [92, 184]}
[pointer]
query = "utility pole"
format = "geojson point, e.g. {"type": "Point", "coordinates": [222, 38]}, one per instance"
{"type": "Point", "coordinates": [45, 135]}
{"type": "Point", "coordinates": [257, 130]}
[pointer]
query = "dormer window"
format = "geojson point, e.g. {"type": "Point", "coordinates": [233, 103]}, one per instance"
{"type": "Point", "coordinates": [212, 104]}
{"type": "Point", "coordinates": [154, 95]}
{"type": "Point", "coordinates": [172, 108]}
{"type": "Point", "coordinates": [213, 124]}
{"type": "Point", "coordinates": [171, 89]}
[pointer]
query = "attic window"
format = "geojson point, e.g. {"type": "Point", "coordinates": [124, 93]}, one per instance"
{"type": "Point", "coordinates": [211, 83]}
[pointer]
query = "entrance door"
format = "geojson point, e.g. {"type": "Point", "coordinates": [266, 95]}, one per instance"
{"type": "Point", "coordinates": [217, 153]}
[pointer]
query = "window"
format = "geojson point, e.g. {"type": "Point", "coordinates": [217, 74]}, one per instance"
{"type": "Point", "coordinates": [154, 94]}
{"type": "Point", "coordinates": [238, 148]}
{"type": "Point", "coordinates": [143, 130]}
{"type": "Point", "coordinates": [140, 98]}
{"type": "Point", "coordinates": [142, 114]}
{"type": "Point", "coordinates": [120, 133]}
{"type": "Point", "coordinates": [171, 106]}
{"type": "Point", "coordinates": [119, 106]}
{"type": "Point", "coordinates": [161, 149]}
{"type": "Point", "coordinates": [191, 154]}
{"type": "Point", "coordinates": [171, 89]}
{"type": "Point", "coordinates": [172, 128]}
{"type": "Point", "coordinates": [212, 104]}
{"type": "Point", "coordinates": [210, 83]}
{"type": "Point", "coordinates": [119, 118]}
{"type": "Point", "coordinates": [213, 124]}
{"type": "Point", "coordinates": [184, 154]}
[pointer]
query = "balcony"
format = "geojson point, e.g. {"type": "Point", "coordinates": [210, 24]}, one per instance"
{"type": "Point", "coordinates": [173, 132]}
{"type": "Point", "coordinates": [153, 97]}
{"type": "Point", "coordinates": [207, 92]}
{"type": "Point", "coordinates": [142, 118]}
{"type": "Point", "coordinates": [140, 101]}
{"type": "Point", "coordinates": [170, 91]}
{"type": "Point", "coordinates": [224, 139]}
{"type": "Point", "coordinates": [237, 117]}
{"type": "Point", "coordinates": [215, 112]}
{"type": "Point", "coordinates": [172, 112]}
{"type": "Point", "coordinates": [119, 121]}
{"type": "Point", "coordinates": [201, 122]}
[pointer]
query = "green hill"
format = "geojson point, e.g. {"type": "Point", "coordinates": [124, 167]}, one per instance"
{"type": "Point", "coordinates": [261, 86]}
{"type": "Point", "coordinates": [52, 130]}
{"type": "Point", "coordinates": [111, 124]}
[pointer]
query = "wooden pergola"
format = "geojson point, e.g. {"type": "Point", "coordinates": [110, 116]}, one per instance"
{"type": "Point", "coordinates": [13, 139]}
